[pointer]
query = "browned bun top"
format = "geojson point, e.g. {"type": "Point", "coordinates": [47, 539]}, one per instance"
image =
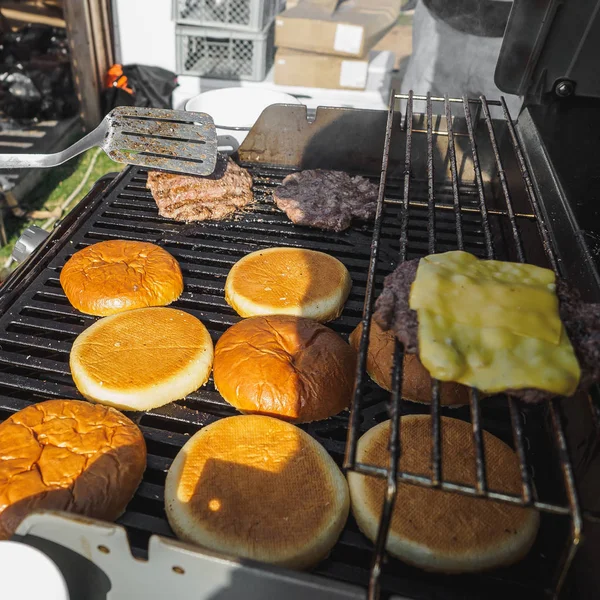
{"type": "Point", "coordinates": [117, 275]}
{"type": "Point", "coordinates": [284, 366]}
{"type": "Point", "coordinates": [442, 530]}
{"type": "Point", "coordinates": [416, 381]}
{"type": "Point", "coordinates": [68, 455]}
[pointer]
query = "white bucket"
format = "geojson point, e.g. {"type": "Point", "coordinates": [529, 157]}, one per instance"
{"type": "Point", "coordinates": [235, 110]}
{"type": "Point", "coordinates": [26, 573]}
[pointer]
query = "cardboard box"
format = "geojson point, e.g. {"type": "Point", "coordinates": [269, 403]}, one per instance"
{"type": "Point", "coordinates": [294, 67]}
{"type": "Point", "coordinates": [350, 28]}
{"type": "Point", "coordinates": [297, 68]}
{"type": "Point", "coordinates": [397, 40]}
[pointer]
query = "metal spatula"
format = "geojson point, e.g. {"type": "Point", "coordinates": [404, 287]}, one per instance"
{"type": "Point", "coordinates": [173, 140]}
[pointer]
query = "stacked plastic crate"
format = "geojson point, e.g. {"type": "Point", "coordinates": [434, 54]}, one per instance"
{"type": "Point", "coordinates": [227, 39]}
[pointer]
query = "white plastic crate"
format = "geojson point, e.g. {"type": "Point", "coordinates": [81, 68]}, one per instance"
{"type": "Point", "coordinates": [225, 54]}
{"type": "Point", "coordinates": [239, 15]}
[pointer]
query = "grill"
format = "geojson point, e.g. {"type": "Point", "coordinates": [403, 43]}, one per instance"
{"type": "Point", "coordinates": [455, 181]}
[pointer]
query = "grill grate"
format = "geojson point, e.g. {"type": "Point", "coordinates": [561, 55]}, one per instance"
{"type": "Point", "coordinates": [391, 473]}
{"type": "Point", "coordinates": [38, 325]}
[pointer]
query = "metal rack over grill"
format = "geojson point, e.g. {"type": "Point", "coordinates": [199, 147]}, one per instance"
{"type": "Point", "coordinates": [445, 183]}
{"type": "Point", "coordinates": [392, 474]}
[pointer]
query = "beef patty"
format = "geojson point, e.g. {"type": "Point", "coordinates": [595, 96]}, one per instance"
{"type": "Point", "coordinates": [190, 198]}
{"type": "Point", "coordinates": [326, 199]}
{"type": "Point", "coordinates": [581, 321]}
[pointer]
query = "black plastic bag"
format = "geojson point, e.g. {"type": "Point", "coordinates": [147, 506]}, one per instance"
{"type": "Point", "coordinates": [38, 92]}
{"type": "Point", "coordinates": [152, 87]}
{"type": "Point", "coordinates": [35, 74]}
{"type": "Point", "coordinates": [21, 98]}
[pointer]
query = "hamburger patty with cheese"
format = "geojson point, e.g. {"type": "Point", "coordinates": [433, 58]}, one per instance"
{"type": "Point", "coordinates": [581, 321]}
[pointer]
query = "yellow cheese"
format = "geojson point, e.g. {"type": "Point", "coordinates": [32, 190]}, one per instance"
{"type": "Point", "coordinates": [489, 293]}
{"type": "Point", "coordinates": [482, 324]}
{"type": "Point", "coordinates": [494, 359]}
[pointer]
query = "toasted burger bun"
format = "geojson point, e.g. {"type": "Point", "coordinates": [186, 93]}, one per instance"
{"type": "Point", "coordinates": [286, 367]}
{"type": "Point", "coordinates": [416, 381]}
{"type": "Point", "coordinates": [258, 488]}
{"type": "Point", "coordinates": [288, 281]}
{"type": "Point", "coordinates": [68, 455]}
{"type": "Point", "coordinates": [142, 359]}
{"type": "Point", "coordinates": [117, 275]}
{"type": "Point", "coordinates": [444, 531]}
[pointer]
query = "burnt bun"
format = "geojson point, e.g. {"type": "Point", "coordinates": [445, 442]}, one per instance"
{"type": "Point", "coordinates": [284, 366]}
{"type": "Point", "coordinates": [68, 455]}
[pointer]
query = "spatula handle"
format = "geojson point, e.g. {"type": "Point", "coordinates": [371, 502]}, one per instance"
{"type": "Point", "coordinates": [31, 161]}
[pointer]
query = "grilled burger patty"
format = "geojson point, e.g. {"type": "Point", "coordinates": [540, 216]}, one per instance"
{"type": "Point", "coordinates": [189, 198]}
{"type": "Point", "coordinates": [581, 320]}
{"type": "Point", "coordinates": [326, 199]}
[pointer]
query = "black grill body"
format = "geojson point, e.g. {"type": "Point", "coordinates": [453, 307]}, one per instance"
{"type": "Point", "coordinates": [38, 325]}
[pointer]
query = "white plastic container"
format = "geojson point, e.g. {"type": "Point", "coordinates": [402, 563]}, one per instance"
{"type": "Point", "coordinates": [235, 110]}
{"type": "Point", "coordinates": [28, 574]}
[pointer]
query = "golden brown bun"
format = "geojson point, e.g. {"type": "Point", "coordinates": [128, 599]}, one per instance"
{"type": "Point", "coordinates": [288, 281]}
{"type": "Point", "coordinates": [258, 488]}
{"type": "Point", "coordinates": [416, 381]}
{"type": "Point", "coordinates": [68, 455]}
{"type": "Point", "coordinates": [286, 367]}
{"type": "Point", "coordinates": [444, 531]}
{"type": "Point", "coordinates": [117, 275]}
{"type": "Point", "coordinates": [142, 359]}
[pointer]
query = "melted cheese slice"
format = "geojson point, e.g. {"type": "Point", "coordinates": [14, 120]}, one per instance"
{"type": "Point", "coordinates": [494, 359]}
{"type": "Point", "coordinates": [489, 293]}
{"type": "Point", "coordinates": [493, 338]}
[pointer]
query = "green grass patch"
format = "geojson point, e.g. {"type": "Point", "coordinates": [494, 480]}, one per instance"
{"type": "Point", "coordinates": [54, 190]}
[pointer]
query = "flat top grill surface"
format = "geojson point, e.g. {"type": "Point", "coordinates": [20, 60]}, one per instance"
{"type": "Point", "coordinates": [39, 326]}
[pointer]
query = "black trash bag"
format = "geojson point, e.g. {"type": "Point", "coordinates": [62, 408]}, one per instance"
{"type": "Point", "coordinates": [21, 99]}
{"type": "Point", "coordinates": [114, 96]}
{"type": "Point", "coordinates": [38, 93]}
{"type": "Point", "coordinates": [152, 87]}
{"type": "Point", "coordinates": [36, 81]}
{"type": "Point", "coordinates": [30, 41]}
{"type": "Point", "coordinates": [56, 87]}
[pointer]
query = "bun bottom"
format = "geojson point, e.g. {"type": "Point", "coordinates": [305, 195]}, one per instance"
{"type": "Point", "coordinates": [259, 488]}
{"type": "Point", "coordinates": [437, 530]}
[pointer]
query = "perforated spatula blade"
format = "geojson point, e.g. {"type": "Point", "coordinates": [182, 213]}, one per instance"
{"type": "Point", "coordinates": [156, 138]}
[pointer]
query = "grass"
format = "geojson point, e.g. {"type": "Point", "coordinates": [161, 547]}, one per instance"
{"type": "Point", "coordinates": [54, 190]}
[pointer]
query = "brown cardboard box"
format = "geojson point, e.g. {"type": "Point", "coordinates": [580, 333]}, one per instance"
{"type": "Point", "coordinates": [351, 28]}
{"type": "Point", "coordinates": [397, 40]}
{"type": "Point", "coordinates": [294, 67]}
